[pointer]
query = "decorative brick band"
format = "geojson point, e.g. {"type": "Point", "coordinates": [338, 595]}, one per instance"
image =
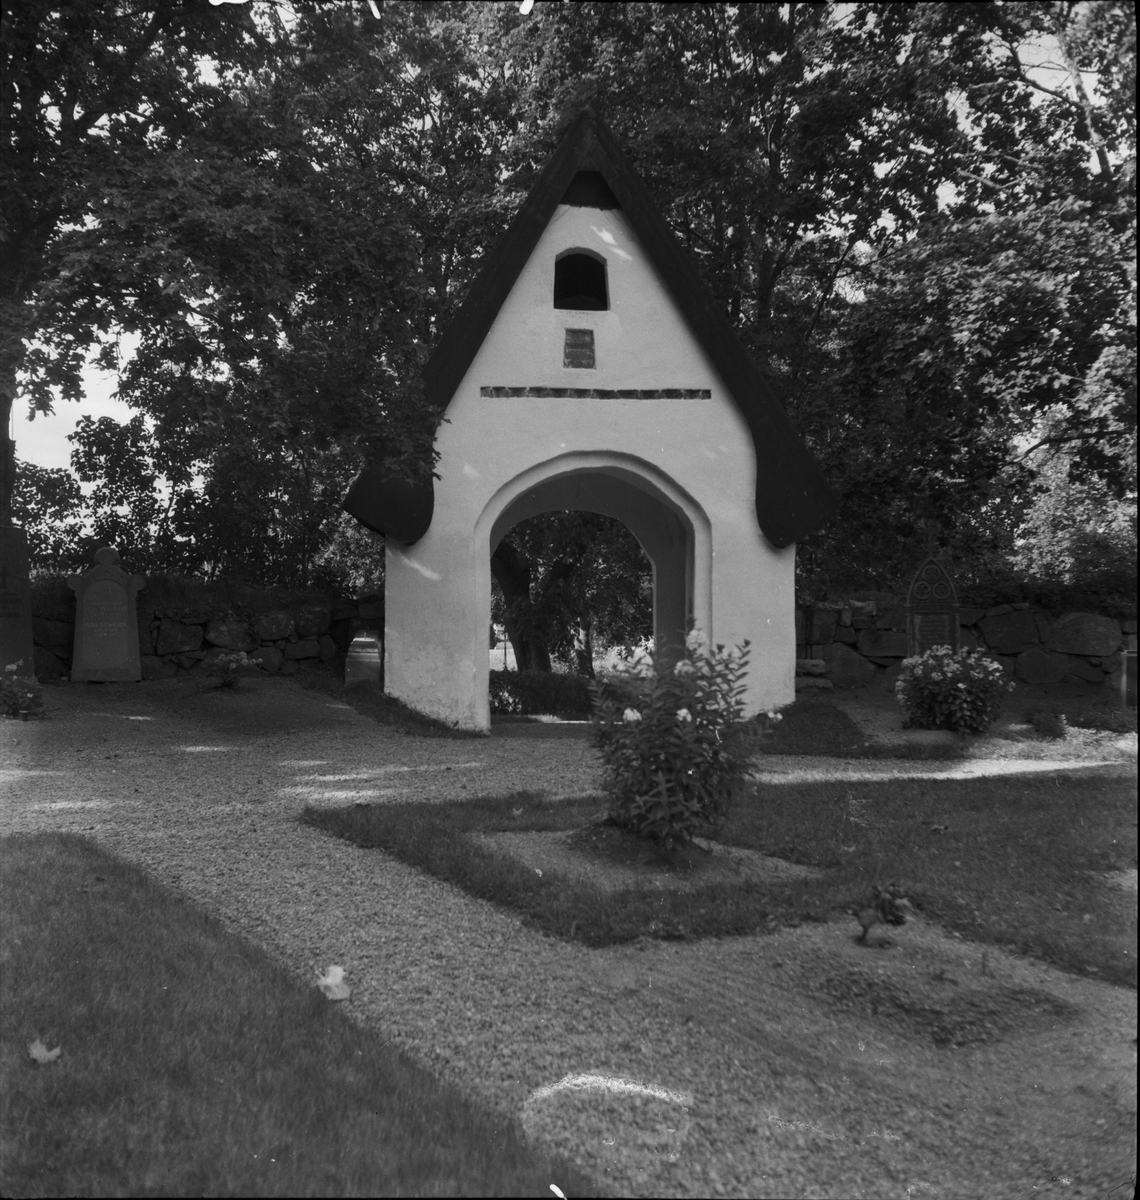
{"type": "Point", "coordinates": [600, 393]}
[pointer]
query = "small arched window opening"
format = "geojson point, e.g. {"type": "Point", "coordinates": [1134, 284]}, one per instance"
{"type": "Point", "coordinates": [580, 282]}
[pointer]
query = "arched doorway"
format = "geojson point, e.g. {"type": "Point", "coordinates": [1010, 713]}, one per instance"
{"type": "Point", "coordinates": [670, 526]}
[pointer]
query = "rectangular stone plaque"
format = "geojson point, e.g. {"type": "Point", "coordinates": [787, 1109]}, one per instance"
{"type": "Point", "coordinates": [106, 622]}
{"type": "Point", "coordinates": [578, 349]}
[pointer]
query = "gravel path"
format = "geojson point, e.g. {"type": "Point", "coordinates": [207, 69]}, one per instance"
{"type": "Point", "coordinates": [743, 1067]}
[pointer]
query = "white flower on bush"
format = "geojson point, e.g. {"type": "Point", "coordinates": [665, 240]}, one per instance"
{"type": "Point", "coordinates": [683, 714]}
{"type": "Point", "coordinates": [684, 667]}
{"type": "Point", "coordinates": [696, 641]}
{"type": "Point", "coordinates": [631, 715]}
{"type": "Point", "coordinates": [775, 716]}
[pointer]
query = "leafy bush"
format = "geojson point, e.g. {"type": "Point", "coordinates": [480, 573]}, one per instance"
{"type": "Point", "coordinates": [673, 766]}
{"type": "Point", "coordinates": [959, 691]}
{"type": "Point", "coordinates": [529, 693]}
{"type": "Point", "coordinates": [228, 667]}
{"type": "Point", "coordinates": [20, 696]}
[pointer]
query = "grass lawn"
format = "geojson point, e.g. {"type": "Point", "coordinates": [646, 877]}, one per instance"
{"type": "Point", "coordinates": [191, 1065]}
{"type": "Point", "coordinates": [1005, 860]}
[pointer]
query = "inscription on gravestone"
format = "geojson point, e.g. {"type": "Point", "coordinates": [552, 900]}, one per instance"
{"type": "Point", "coordinates": [106, 622]}
{"type": "Point", "coordinates": [931, 610]}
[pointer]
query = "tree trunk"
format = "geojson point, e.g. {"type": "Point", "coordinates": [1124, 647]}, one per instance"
{"type": "Point", "coordinates": [584, 648]}
{"type": "Point", "coordinates": [512, 573]}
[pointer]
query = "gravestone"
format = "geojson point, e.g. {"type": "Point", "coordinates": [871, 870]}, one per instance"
{"type": "Point", "coordinates": [15, 603]}
{"type": "Point", "coordinates": [106, 621]}
{"type": "Point", "coordinates": [931, 610]}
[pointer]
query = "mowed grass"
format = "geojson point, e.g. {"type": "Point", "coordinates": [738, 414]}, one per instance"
{"type": "Point", "coordinates": [1011, 861]}
{"type": "Point", "coordinates": [192, 1066]}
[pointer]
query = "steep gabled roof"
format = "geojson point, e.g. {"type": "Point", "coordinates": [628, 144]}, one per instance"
{"type": "Point", "coordinates": [792, 496]}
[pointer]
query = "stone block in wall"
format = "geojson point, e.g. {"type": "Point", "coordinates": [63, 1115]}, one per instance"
{"type": "Point", "coordinates": [289, 668]}
{"type": "Point", "coordinates": [1085, 671]}
{"type": "Point", "coordinates": [969, 640]}
{"type": "Point", "coordinates": [1011, 632]}
{"type": "Point", "coordinates": [849, 669]}
{"type": "Point", "coordinates": [308, 648]}
{"type": "Point", "coordinates": [270, 658]}
{"type": "Point", "coordinates": [844, 633]}
{"type": "Point", "coordinates": [176, 638]}
{"type": "Point", "coordinates": [148, 631]}
{"type": "Point", "coordinates": [48, 665]}
{"type": "Point", "coordinates": [328, 647]}
{"type": "Point", "coordinates": [190, 659]}
{"type": "Point", "coordinates": [999, 610]}
{"type": "Point", "coordinates": [970, 616]}
{"type": "Point", "coordinates": [811, 666]}
{"type": "Point", "coordinates": [272, 626]}
{"type": "Point", "coordinates": [862, 622]}
{"type": "Point", "coordinates": [1044, 625]}
{"type": "Point", "coordinates": [882, 643]}
{"type": "Point", "coordinates": [229, 633]}
{"type": "Point", "coordinates": [370, 608]}
{"type": "Point", "coordinates": [57, 636]}
{"type": "Point", "coordinates": [844, 617]}
{"type": "Point", "coordinates": [801, 627]}
{"type": "Point", "coordinates": [892, 618]}
{"type": "Point", "coordinates": [1087, 634]}
{"type": "Point", "coordinates": [1036, 665]}
{"type": "Point", "coordinates": [154, 667]}
{"type": "Point", "coordinates": [343, 612]}
{"type": "Point", "coordinates": [313, 621]}
{"type": "Point", "coordinates": [813, 683]}
{"type": "Point", "coordinates": [1128, 625]}
{"type": "Point", "coordinates": [823, 623]}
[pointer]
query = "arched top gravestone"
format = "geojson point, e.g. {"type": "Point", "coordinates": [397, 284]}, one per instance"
{"type": "Point", "coordinates": [106, 621]}
{"type": "Point", "coordinates": [931, 609]}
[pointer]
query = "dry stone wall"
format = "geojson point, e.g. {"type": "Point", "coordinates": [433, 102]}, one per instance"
{"type": "Point", "coordinates": [179, 633]}
{"type": "Point", "coordinates": [848, 644]}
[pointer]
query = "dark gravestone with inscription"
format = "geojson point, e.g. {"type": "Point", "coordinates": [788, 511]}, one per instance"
{"type": "Point", "coordinates": [15, 603]}
{"type": "Point", "coordinates": [106, 621]}
{"type": "Point", "coordinates": [931, 610]}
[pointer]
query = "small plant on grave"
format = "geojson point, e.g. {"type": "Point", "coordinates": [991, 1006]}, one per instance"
{"type": "Point", "coordinates": [1049, 724]}
{"type": "Point", "coordinates": [20, 695]}
{"type": "Point", "coordinates": [942, 689]}
{"type": "Point", "coordinates": [674, 764]}
{"type": "Point", "coordinates": [228, 668]}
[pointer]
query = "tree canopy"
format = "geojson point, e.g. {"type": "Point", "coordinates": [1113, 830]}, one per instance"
{"type": "Point", "coordinates": [927, 244]}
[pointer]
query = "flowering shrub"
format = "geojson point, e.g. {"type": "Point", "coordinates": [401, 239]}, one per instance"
{"type": "Point", "coordinates": [229, 667]}
{"type": "Point", "coordinates": [942, 689]}
{"type": "Point", "coordinates": [675, 761]}
{"type": "Point", "coordinates": [20, 696]}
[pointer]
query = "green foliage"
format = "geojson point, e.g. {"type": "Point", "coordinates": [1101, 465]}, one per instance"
{"type": "Point", "coordinates": [20, 696]}
{"type": "Point", "coordinates": [536, 693]}
{"type": "Point", "coordinates": [567, 583]}
{"type": "Point", "coordinates": [228, 667]}
{"type": "Point", "coordinates": [674, 765]}
{"type": "Point", "coordinates": [47, 505]}
{"type": "Point", "coordinates": [959, 691]}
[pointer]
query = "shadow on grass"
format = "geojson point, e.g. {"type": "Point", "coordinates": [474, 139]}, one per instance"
{"type": "Point", "coordinates": [1017, 862]}
{"type": "Point", "coordinates": [369, 701]}
{"type": "Point", "coordinates": [192, 1065]}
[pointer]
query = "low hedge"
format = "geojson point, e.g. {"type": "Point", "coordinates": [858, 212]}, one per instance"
{"type": "Point", "coordinates": [533, 693]}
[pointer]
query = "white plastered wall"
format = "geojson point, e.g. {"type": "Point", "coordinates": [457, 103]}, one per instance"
{"type": "Point", "coordinates": [680, 472]}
